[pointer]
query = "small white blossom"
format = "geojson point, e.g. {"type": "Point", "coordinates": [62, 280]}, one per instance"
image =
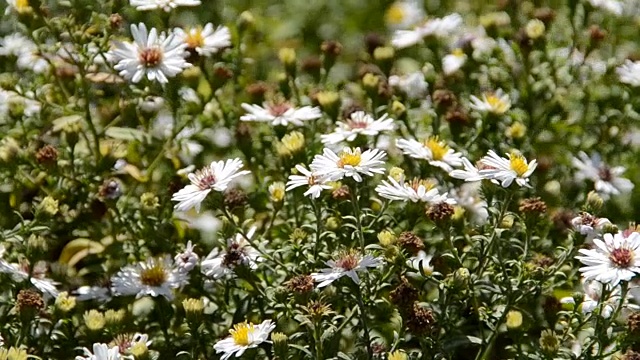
{"type": "Point", "coordinates": [359, 123]}
{"type": "Point", "coordinates": [629, 72]}
{"type": "Point", "coordinates": [349, 264]}
{"type": "Point", "coordinates": [348, 163]}
{"type": "Point", "coordinates": [607, 179]}
{"type": "Point", "coordinates": [280, 114]}
{"type": "Point", "coordinates": [243, 336]}
{"type": "Point", "coordinates": [308, 178]}
{"type": "Point", "coordinates": [403, 14]}
{"type": "Point", "coordinates": [615, 258]}
{"type": "Point", "coordinates": [421, 263]}
{"type": "Point", "coordinates": [495, 103]}
{"type": "Point", "coordinates": [593, 297]}
{"type": "Point", "coordinates": [216, 176]}
{"type": "Point", "coordinates": [413, 85]}
{"type": "Point", "coordinates": [101, 352]}
{"type": "Point", "coordinates": [438, 27]}
{"type": "Point", "coordinates": [155, 277]}
{"type": "Point", "coordinates": [415, 191]}
{"type": "Point", "coordinates": [205, 41]}
{"type": "Point", "coordinates": [187, 259]}
{"type": "Point", "coordinates": [589, 225]}
{"type": "Point", "coordinates": [454, 61]}
{"type": "Point", "coordinates": [506, 170]}
{"type": "Point", "coordinates": [238, 252]}
{"type": "Point", "coordinates": [434, 150]}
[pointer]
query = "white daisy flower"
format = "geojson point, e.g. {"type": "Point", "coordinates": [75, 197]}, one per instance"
{"type": "Point", "coordinates": [613, 6]}
{"type": "Point", "coordinates": [593, 297]}
{"type": "Point", "coordinates": [216, 176]}
{"type": "Point", "coordinates": [412, 85]}
{"type": "Point", "coordinates": [421, 263]}
{"type": "Point", "coordinates": [468, 197]}
{"type": "Point", "coordinates": [589, 225]}
{"type": "Point", "coordinates": [505, 170]}
{"type": "Point", "coordinates": [101, 352]}
{"type": "Point", "coordinates": [629, 72]}
{"type": "Point", "coordinates": [495, 102]}
{"type": "Point", "coordinates": [454, 61]}
{"type": "Point", "coordinates": [36, 276]}
{"type": "Point", "coordinates": [205, 41]}
{"type": "Point", "coordinates": [157, 57]}
{"type": "Point", "coordinates": [243, 336]}
{"type": "Point", "coordinates": [238, 252]}
{"type": "Point", "coordinates": [359, 123]}
{"type": "Point", "coordinates": [16, 44]}
{"type": "Point", "coordinates": [607, 179]}
{"type": "Point", "coordinates": [18, 6]}
{"type": "Point", "coordinates": [32, 59]}
{"type": "Point", "coordinates": [416, 190]}
{"type": "Point", "coordinates": [280, 114]}
{"type": "Point", "coordinates": [614, 259]}
{"type": "Point", "coordinates": [469, 172]}
{"type": "Point", "coordinates": [403, 14]}
{"type": "Point", "coordinates": [434, 150]}
{"type": "Point", "coordinates": [166, 5]}
{"type": "Point", "coordinates": [308, 178]}
{"type": "Point", "coordinates": [155, 277]}
{"type": "Point", "coordinates": [439, 27]}
{"type": "Point", "coordinates": [348, 264]}
{"type": "Point", "coordinates": [188, 259]}
{"type": "Point", "coordinates": [349, 163]}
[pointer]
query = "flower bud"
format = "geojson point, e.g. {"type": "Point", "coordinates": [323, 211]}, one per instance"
{"type": "Point", "coordinates": [386, 238]}
{"type": "Point", "coordinates": [535, 29]}
{"type": "Point", "coordinates": [193, 309]}
{"type": "Point", "coordinates": [288, 58]}
{"type": "Point", "coordinates": [396, 173]}
{"type": "Point", "coordinates": [514, 319]}
{"type": "Point", "coordinates": [245, 21]}
{"type": "Point", "coordinates": [94, 320]}
{"type": "Point", "coordinates": [48, 206]}
{"type": "Point", "coordinates": [276, 192]}
{"type": "Point", "coordinates": [65, 303]}
{"type": "Point", "coordinates": [594, 202]}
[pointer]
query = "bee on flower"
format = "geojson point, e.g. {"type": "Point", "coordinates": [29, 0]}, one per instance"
{"type": "Point", "coordinates": [506, 170]}
{"type": "Point", "coordinates": [348, 263]}
{"type": "Point", "coordinates": [217, 176]}
{"type": "Point", "coordinates": [359, 123]}
{"type": "Point", "coordinates": [242, 337]}
{"type": "Point", "coordinates": [349, 162]}
{"type": "Point", "coordinates": [434, 150]}
{"type": "Point", "coordinates": [308, 178]}
{"type": "Point", "coordinates": [156, 56]}
{"type": "Point", "coordinates": [496, 103]}
{"type": "Point", "coordinates": [238, 252]}
{"type": "Point", "coordinates": [280, 114]}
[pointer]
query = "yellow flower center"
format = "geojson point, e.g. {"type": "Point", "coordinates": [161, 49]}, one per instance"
{"type": "Point", "coordinates": [194, 38]}
{"type": "Point", "coordinates": [22, 5]}
{"type": "Point", "coordinates": [415, 184]}
{"type": "Point", "coordinates": [438, 148]}
{"type": "Point", "coordinates": [395, 14]}
{"type": "Point", "coordinates": [240, 333]}
{"type": "Point", "coordinates": [458, 52]}
{"type": "Point", "coordinates": [518, 164]}
{"type": "Point", "coordinates": [153, 276]}
{"type": "Point", "coordinates": [497, 105]}
{"type": "Point", "coordinates": [350, 158]}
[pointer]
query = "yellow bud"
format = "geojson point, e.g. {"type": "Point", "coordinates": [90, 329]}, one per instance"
{"type": "Point", "coordinates": [276, 192]}
{"type": "Point", "coordinates": [386, 238]}
{"type": "Point", "coordinates": [534, 29]}
{"type": "Point", "coordinates": [383, 53]}
{"type": "Point", "coordinates": [327, 99]}
{"type": "Point", "coordinates": [64, 302]}
{"type": "Point", "coordinates": [396, 173]}
{"type": "Point", "coordinates": [398, 108]}
{"type": "Point", "coordinates": [516, 131]}
{"type": "Point", "coordinates": [94, 320]}
{"type": "Point", "coordinates": [49, 206]}
{"type": "Point", "coordinates": [514, 319]}
{"type": "Point", "coordinates": [397, 355]}
{"type": "Point", "coordinates": [370, 81]}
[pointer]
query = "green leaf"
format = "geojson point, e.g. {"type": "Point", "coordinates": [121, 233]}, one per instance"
{"type": "Point", "coordinates": [128, 134]}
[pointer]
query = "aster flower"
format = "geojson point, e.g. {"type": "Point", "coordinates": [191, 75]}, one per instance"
{"type": "Point", "coordinates": [468, 173]}
{"type": "Point", "coordinates": [589, 225]}
{"type": "Point", "coordinates": [614, 259]}
{"type": "Point", "coordinates": [308, 178]}
{"type": "Point", "coordinates": [187, 260]}
{"type": "Point", "coordinates": [421, 263]}
{"type": "Point", "coordinates": [412, 85]}
{"type": "Point", "coordinates": [99, 293]}
{"type": "Point", "coordinates": [607, 179]}
{"type": "Point", "coordinates": [205, 41]}
{"type": "Point", "coordinates": [18, 6]}
{"type": "Point", "coordinates": [36, 276]}
{"type": "Point", "coordinates": [434, 150]}
{"type": "Point", "coordinates": [243, 336]}
{"type": "Point", "coordinates": [496, 103]}
{"type": "Point", "coordinates": [348, 163]}
{"type": "Point", "coordinates": [155, 277]}
{"type": "Point", "coordinates": [348, 264]}
{"type": "Point", "coordinates": [100, 352]}
{"type": "Point", "coordinates": [438, 27]}
{"type": "Point", "coordinates": [506, 170]}
{"type": "Point", "coordinates": [166, 5]}
{"type": "Point", "coordinates": [157, 57]}
{"type": "Point", "coordinates": [468, 197]}
{"type": "Point", "coordinates": [416, 190]}
{"type": "Point", "coordinates": [454, 61]}
{"type": "Point", "coordinates": [403, 14]}
{"type": "Point", "coordinates": [280, 114]}
{"type": "Point", "coordinates": [629, 72]}
{"type": "Point", "coordinates": [593, 297]}
{"type": "Point", "coordinates": [359, 123]}
{"type": "Point", "coordinates": [125, 342]}
{"type": "Point", "coordinates": [238, 252]}
{"type": "Point", "coordinates": [216, 176]}
{"type": "Point", "coordinates": [16, 44]}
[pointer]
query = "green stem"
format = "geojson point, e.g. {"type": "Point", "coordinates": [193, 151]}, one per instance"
{"type": "Point", "coordinates": [363, 319]}
{"type": "Point", "coordinates": [356, 210]}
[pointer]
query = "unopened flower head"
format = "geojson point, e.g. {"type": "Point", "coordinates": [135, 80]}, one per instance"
{"type": "Point", "coordinates": [216, 176]}
{"type": "Point", "coordinates": [156, 56]}
{"type": "Point", "coordinates": [291, 144]}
